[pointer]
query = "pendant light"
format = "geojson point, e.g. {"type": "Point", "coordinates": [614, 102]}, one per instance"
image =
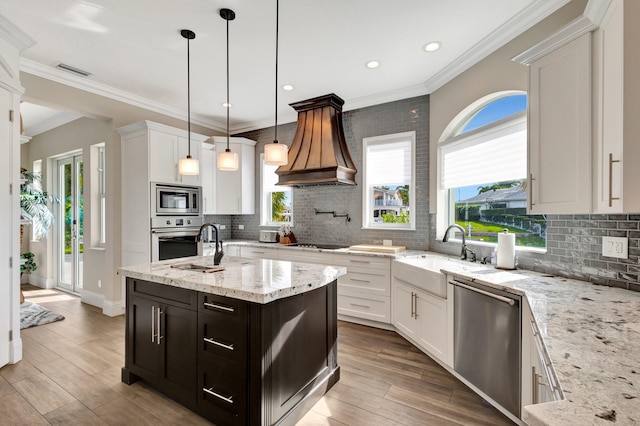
{"type": "Point", "coordinates": [227, 160]}
{"type": "Point", "coordinates": [188, 166]}
{"type": "Point", "coordinates": [275, 154]}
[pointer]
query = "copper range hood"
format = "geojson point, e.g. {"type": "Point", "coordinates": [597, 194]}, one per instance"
{"type": "Point", "coordinates": [318, 154]}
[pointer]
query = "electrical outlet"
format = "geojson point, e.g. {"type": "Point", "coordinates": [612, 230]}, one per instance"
{"type": "Point", "coordinates": [387, 242]}
{"type": "Point", "coordinates": [615, 247]}
{"type": "Point", "coordinates": [99, 283]}
{"type": "Point", "coordinates": [240, 226]}
{"type": "Point", "coordinates": [223, 226]}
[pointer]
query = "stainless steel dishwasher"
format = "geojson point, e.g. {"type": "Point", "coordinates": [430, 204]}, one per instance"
{"type": "Point", "coordinates": [487, 341]}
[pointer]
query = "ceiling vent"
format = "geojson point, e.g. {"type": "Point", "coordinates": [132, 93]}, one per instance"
{"type": "Point", "coordinates": [318, 154]}
{"type": "Point", "coordinates": [74, 70]}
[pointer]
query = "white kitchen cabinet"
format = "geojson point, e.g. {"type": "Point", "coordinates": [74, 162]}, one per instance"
{"type": "Point", "coordinates": [232, 249]}
{"type": "Point", "coordinates": [539, 382]}
{"type": "Point", "coordinates": [166, 148]}
{"type": "Point", "coordinates": [235, 191]}
{"type": "Point", "coordinates": [259, 252]}
{"type": "Point", "coordinates": [560, 128]}
{"type": "Point", "coordinates": [616, 104]}
{"type": "Point", "coordinates": [208, 177]}
{"type": "Point", "coordinates": [421, 317]}
{"type": "Point", "coordinates": [364, 292]}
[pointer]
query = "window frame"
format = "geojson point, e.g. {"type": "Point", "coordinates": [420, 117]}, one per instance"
{"type": "Point", "coordinates": [265, 200]}
{"type": "Point", "coordinates": [367, 193]}
{"type": "Point", "coordinates": [98, 178]}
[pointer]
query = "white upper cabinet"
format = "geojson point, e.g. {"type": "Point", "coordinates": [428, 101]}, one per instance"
{"type": "Point", "coordinates": [616, 105]}
{"type": "Point", "coordinates": [208, 176]}
{"type": "Point", "coordinates": [235, 191]}
{"type": "Point", "coordinates": [560, 129]}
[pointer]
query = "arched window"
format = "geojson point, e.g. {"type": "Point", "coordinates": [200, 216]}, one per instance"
{"type": "Point", "coordinates": [483, 168]}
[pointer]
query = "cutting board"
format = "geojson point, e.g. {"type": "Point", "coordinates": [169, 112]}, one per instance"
{"type": "Point", "coordinates": [378, 248]}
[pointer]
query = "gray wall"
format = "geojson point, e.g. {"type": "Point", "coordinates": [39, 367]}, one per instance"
{"type": "Point", "coordinates": [394, 117]}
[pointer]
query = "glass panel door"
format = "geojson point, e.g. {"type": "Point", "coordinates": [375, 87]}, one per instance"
{"type": "Point", "coordinates": [70, 223]}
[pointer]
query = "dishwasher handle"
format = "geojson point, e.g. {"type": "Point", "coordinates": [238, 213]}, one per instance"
{"type": "Point", "coordinates": [486, 293]}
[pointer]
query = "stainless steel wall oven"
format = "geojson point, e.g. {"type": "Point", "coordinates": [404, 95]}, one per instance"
{"type": "Point", "coordinates": [174, 237]}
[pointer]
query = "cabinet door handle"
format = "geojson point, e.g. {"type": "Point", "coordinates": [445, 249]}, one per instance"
{"type": "Point", "coordinates": [412, 312]}
{"type": "Point", "coordinates": [611, 197]}
{"type": "Point", "coordinates": [534, 384]}
{"type": "Point", "coordinates": [215, 306]}
{"type": "Point", "coordinates": [415, 301]}
{"type": "Point", "coordinates": [360, 306]}
{"type": "Point", "coordinates": [215, 342]}
{"type": "Point", "coordinates": [531, 179]}
{"type": "Point", "coordinates": [153, 324]}
{"type": "Point", "coordinates": [158, 313]}
{"type": "Point", "coordinates": [217, 395]}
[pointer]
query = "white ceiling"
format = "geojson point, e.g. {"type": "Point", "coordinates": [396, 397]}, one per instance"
{"type": "Point", "coordinates": [134, 51]}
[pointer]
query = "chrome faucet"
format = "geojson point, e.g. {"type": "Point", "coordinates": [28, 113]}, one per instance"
{"type": "Point", "coordinates": [219, 253]}
{"type": "Point", "coordinates": [463, 253]}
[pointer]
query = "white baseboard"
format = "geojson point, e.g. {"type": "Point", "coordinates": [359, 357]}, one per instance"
{"type": "Point", "coordinates": [36, 280]}
{"type": "Point", "coordinates": [15, 350]}
{"type": "Point", "coordinates": [113, 308]}
{"type": "Point", "coordinates": [91, 298]}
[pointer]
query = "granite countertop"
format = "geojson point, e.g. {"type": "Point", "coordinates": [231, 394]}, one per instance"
{"type": "Point", "coordinates": [250, 243]}
{"type": "Point", "coordinates": [253, 280]}
{"type": "Point", "coordinates": [592, 335]}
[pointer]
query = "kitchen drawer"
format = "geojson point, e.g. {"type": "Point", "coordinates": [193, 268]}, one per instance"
{"type": "Point", "coordinates": [221, 338]}
{"type": "Point", "coordinates": [222, 393]}
{"type": "Point", "coordinates": [358, 261]}
{"type": "Point", "coordinates": [434, 283]}
{"type": "Point", "coordinates": [229, 309]}
{"type": "Point", "coordinates": [259, 252]}
{"type": "Point", "coordinates": [371, 281]}
{"type": "Point", "coordinates": [164, 293]}
{"type": "Point", "coordinates": [297, 255]}
{"type": "Point", "coordinates": [371, 307]}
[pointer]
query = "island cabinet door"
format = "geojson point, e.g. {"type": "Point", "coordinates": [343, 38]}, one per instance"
{"type": "Point", "coordinates": [144, 357]}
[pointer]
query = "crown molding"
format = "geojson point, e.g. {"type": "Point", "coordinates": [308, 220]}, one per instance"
{"type": "Point", "coordinates": [62, 77]}
{"type": "Point", "coordinates": [596, 9]}
{"type": "Point", "coordinates": [14, 35]}
{"type": "Point", "coordinates": [527, 18]}
{"type": "Point", "coordinates": [574, 29]}
{"type": "Point", "coordinates": [51, 123]}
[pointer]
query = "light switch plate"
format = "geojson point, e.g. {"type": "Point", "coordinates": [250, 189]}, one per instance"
{"type": "Point", "coordinates": [615, 247]}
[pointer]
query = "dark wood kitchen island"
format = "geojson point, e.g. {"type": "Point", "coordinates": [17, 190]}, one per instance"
{"type": "Point", "coordinates": [253, 344]}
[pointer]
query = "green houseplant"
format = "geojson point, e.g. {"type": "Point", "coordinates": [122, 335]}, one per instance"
{"type": "Point", "coordinates": [34, 203]}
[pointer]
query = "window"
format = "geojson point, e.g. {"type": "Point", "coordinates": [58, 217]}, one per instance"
{"type": "Point", "coordinates": [98, 196]}
{"type": "Point", "coordinates": [484, 170]}
{"type": "Point", "coordinates": [388, 187]}
{"type": "Point", "coordinates": [276, 206]}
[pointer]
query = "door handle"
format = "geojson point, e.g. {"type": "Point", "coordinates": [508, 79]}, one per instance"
{"type": "Point", "coordinates": [611, 197]}
{"type": "Point", "coordinates": [153, 324]}
{"type": "Point", "coordinates": [159, 313]}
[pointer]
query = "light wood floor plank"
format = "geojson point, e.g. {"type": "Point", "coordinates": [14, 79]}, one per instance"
{"type": "Point", "coordinates": [76, 414]}
{"type": "Point", "coordinates": [43, 393]}
{"type": "Point", "coordinates": [17, 411]}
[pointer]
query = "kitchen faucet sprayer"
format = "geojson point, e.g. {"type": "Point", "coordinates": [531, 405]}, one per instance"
{"type": "Point", "coordinates": [463, 253]}
{"type": "Point", "coordinates": [219, 253]}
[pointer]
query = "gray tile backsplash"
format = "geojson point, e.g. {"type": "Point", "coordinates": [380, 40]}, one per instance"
{"type": "Point", "coordinates": [573, 243]}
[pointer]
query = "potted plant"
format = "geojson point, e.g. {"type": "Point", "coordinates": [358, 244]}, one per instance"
{"type": "Point", "coordinates": [29, 265]}
{"type": "Point", "coordinates": [34, 203]}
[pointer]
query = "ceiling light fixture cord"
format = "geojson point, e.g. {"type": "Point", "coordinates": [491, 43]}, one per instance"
{"type": "Point", "coordinates": [228, 17]}
{"type": "Point", "coordinates": [275, 138]}
{"type": "Point", "coordinates": [188, 36]}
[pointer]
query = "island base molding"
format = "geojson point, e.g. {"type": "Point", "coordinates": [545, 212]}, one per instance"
{"type": "Point", "coordinates": [233, 362]}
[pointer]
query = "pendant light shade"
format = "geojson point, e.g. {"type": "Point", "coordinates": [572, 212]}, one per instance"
{"type": "Point", "coordinates": [188, 166]}
{"type": "Point", "coordinates": [275, 154]}
{"type": "Point", "coordinates": [227, 160]}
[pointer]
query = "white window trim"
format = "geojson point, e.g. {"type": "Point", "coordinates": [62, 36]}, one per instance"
{"type": "Point", "coordinates": [98, 183]}
{"type": "Point", "coordinates": [366, 195]}
{"type": "Point", "coordinates": [265, 217]}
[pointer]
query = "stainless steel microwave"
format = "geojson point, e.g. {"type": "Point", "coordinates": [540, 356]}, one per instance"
{"type": "Point", "coordinates": [175, 200]}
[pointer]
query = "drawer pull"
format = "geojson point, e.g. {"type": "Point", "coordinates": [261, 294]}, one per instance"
{"type": "Point", "coordinates": [359, 280]}
{"type": "Point", "coordinates": [359, 261]}
{"type": "Point", "coordinates": [214, 306]}
{"type": "Point", "coordinates": [360, 306]}
{"type": "Point", "coordinates": [217, 395]}
{"type": "Point", "coordinates": [215, 342]}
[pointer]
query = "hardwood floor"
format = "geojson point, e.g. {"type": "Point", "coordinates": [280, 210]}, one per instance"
{"type": "Point", "coordinates": [70, 375]}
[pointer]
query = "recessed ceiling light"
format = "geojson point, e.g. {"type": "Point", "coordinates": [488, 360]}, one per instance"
{"type": "Point", "coordinates": [288, 87]}
{"type": "Point", "coordinates": [372, 64]}
{"type": "Point", "coordinates": [432, 46]}
{"type": "Point", "coordinates": [226, 105]}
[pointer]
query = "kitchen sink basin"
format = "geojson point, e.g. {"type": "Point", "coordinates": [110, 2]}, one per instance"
{"type": "Point", "coordinates": [196, 268]}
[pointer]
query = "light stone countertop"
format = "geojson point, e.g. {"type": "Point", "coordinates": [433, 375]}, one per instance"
{"type": "Point", "coordinates": [592, 335]}
{"type": "Point", "coordinates": [253, 280]}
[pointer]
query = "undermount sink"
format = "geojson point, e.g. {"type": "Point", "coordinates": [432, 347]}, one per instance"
{"type": "Point", "coordinates": [192, 267]}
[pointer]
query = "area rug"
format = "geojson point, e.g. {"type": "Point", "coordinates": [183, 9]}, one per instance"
{"type": "Point", "coordinates": [32, 314]}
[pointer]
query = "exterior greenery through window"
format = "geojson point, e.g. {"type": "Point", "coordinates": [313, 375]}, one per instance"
{"type": "Point", "coordinates": [484, 171]}
{"type": "Point", "coordinates": [388, 188]}
{"type": "Point", "coordinates": [275, 200]}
